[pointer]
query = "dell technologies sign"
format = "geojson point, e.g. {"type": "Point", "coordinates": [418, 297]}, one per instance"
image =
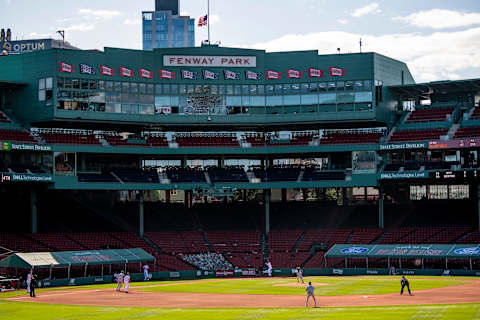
{"type": "Point", "coordinates": [354, 250]}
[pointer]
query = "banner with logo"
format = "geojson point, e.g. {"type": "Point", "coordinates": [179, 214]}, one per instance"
{"type": "Point", "coordinates": [224, 273]}
{"type": "Point", "coordinates": [144, 73]}
{"type": "Point", "coordinates": [272, 75]}
{"type": "Point", "coordinates": [65, 67]}
{"type": "Point", "coordinates": [251, 75]}
{"type": "Point", "coordinates": [315, 73]}
{"type": "Point", "coordinates": [337, 72]}
{"type": "Point", "coordinates": [404, 175]}
{"type": "Point", "coordinates": [165, 74]}
{"type": "Point", "coordinates": [86, 69]}
{"type": "Point", "coordinates": [230, 75]}
{"type": "Point", "coordinates": [107, 71]}
{"type": "Point", "coordinates": [189, 75]}
{"type": "Point", "coordinates": [294, 74]}
{"type": "Point", "coordinates": [125, 72]}
{"type": "Point", "coordinates": [209, 75]}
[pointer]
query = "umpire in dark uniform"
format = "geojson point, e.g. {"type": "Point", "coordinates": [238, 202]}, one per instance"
{"type": "Point", "coordinates": [404, 283]}
{"type": "Point", "coordinates": [33, 285]}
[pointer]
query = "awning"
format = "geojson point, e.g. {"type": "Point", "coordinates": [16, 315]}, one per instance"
{"type": "Point", "coordinates": [75, 258]}
{"type": "Point", "coordinates": [410, 251]}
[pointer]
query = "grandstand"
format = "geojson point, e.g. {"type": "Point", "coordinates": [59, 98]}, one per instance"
{"type": "Point", "coordinates": [260, 165]}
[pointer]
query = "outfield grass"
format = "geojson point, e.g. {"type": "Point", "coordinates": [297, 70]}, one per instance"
{"type": "Point", "coordinates": [19, 310]}
{"type": "Point", "coordinates": [332, 286]}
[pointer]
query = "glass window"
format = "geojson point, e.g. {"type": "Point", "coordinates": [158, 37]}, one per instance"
{"type": "Point", "coordinates": [246, 101]}
{"type": "Point", "coordinates": [358, 85]}
{"type": "Point", "coordinates": [287, 89]}
{"type": "Point", "coordinates": [340, 85]}
{"type": "Point", "coordinates": [173, 89]}
{"type": "Point", "coordinates": [41, 95]}
{"type": "Point", "coordinates": [92, 85]}
{"type": "Point", "coordinates": [278, 89]}
{"type": "Point", "coordinates": [162, 101]}
{"type": "Point", "coordinates": [327, 98]}
{"type": "Point", "coordinates": [147, 16]}
{"type": "Point", "coordinates": [258, 101]}
{"type": "Point", "coordinates": [274, 101]}
{"type": "Point", "coordinates": [117, 86]}
{"type": "Point", "coordinates": [349, 85]}
{"type": "Point", "coordinates": [307, 99]}
{"type": "Point", "coordinates": [133, 87]}
{"type": "Point", "coordinates": [229, 90]}
{"type": "Point", "coordinates": [41, 84]}
{"type": "Point", "coordinates": [190, 89]}
{"type": "Point", "coordinates": [142, 88]}
{"type": "Point", "coordinates": [305, 87]}
{"type": "Point", "coordinates": [214, 89]}
{"type": "Point", "coordinates": [345, 97]}
{"type": "Point", "coordinates": [322, 86]}
{"type": "Point", "coordinates": [166, 89]}
{"type": "Point", "coordinates": [363, 96]}
{"type": "Point", "coordinates": [234, 101]}
{"type": "Point", "coordinates": [331, 86]}
{"type": "Point", "coordinates": [291, 100]}
{"type": "Point", "coordinates": [125, 87]}
{"type": "Point", "coordinates": [253, 89]}
{"type": "Point", "coordinates": [49, 83]}
{"type": "Point", "coordinates": [68, 83]}
{"type": "Point", "coordinates": [295, 88]}
{"type": "Point", "coordinates": [109, 86]}
{"type": "Point", "coordinates": [158, 89]}
{"type": "Point", "coordinates": [183, 89]}
{"type": "Point", "coordinates": [84, 85]}
{"type": "Point", "coordinates": [75, 84]}
{"type": "Point", "coordinates": [367, 84]}
{"type": "Point", "coordinates": [237, 90]}
{"type": "Point", "coordinates": [221, 89]}
{"type": "Point", "coordinates": [245, 90]}
{"type": "Point", "coordinates": [418, 192]}
{"type": "Point", "coordinates": [149, 88]}
{"type": "Point", "coordinates": [101, 85]}
{"type": "Point", "coordinates": [270, 89]}
{"type": "Point", "coordinates": [261, 89]}
{"type": "Point", "coordinates": [60, 83]}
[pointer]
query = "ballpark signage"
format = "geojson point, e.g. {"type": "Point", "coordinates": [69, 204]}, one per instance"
{"type": "Point", "coordinates": [337, 72]}
{"type": "Point", "coordinates": [315, 73]}
{"type": "Point", "coordinates": [294, 74]}
{"type": "Point", "coordinates": [8, 146]}
{"type": "Point", "coordinates": [86, 69]}
{"type": "Point", "coordinates": [125, 72]}
{"type": "Point", "coordinates": [209, 61]}
{"type": "Point", "coordinates": [25, 46]}
{"type": "Point", "coordinates": [448, 144]}
{"type": "Point", "coordinates": [403, 175]}
{"type": "Point", "coordinates": [230, 75]}
{"type": "Point", "coordinates": [251, 75]}
{"type": "Point", "coordinates": [403, 146]}
{"type": "Point", "coordinates": [144, 73]}
{"type": "Point", "coordinates": [272, 75]}
{"type": "Point", "coordinates": [25, 177]}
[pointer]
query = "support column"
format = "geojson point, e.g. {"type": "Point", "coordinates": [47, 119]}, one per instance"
{"type": "Point", "coordinates": [33, 210]}
{"type": "Point", "coordinates": [141, 220]}
{"type": "Point", "coordinates": [478, 205]}
{"type": "Point", "coordinates": [267, 211]}
{"type": "Point", "coordinates": [381, 223]}
{"type": "Point", "coordinates": [284, 195]}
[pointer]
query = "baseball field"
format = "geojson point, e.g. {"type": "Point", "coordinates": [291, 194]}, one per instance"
{"type": "Point", "coordinates": [363, 297]}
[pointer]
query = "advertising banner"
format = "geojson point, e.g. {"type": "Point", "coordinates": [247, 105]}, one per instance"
{"type": "Point", "coordinates": [450, 144]}
{"type": "Point", "coordinates": [403, 175]}
{"type": "Point", "coordinates": [224, 273]}
{"type": "Point", "coordinates": [404, 146]}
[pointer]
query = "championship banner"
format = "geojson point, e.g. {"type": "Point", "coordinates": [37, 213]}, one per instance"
{"type": "Point", "coordinates": [163, 110]}
{"type": "Point", "coordinates": [165, 74]}
{"type": "Point", "coordinates": [272, 75]}
{"type": "Point", "coordinates": [294, 74]}
{"type": "Point", "coordinates": [250, 75]}
{"type": "Point", "coordinates": [337, 72]}
{"type": "Point", "coordinates": [107, 71]}
{"type": "Point", "coordinates": [125, 72]}
{"type": "Point", "coordinates": [65, 67]}
{"type": "Point", "coordinates": [230, 75]}
{"type": "Point", "coordinates": [190, 75]}
{"type": "Point", "coordinates": [209, 75]}
{"type": "Point", "coordinates": [144, 73]}
{"type": "Point", "coordinates": [315, 73]}
{"type": "Point", "coordinates": [86, 69]}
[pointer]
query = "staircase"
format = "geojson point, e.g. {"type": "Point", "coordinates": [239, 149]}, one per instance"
{"type": "Point", "coordinates": [300, 176]}
{"type": "Point", "coordinates": [102, 140]}
{"type": "Point", "coordinates": [298, 242]}
{"type": "Point", "coordinates": [453, 129]}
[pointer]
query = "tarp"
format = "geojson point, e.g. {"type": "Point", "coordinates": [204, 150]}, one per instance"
{"type": "Point", "coordinates": [75, 258]}
{"type": "Point", "coordinates": [427, 251]}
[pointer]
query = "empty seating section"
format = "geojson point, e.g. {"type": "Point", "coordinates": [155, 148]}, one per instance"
{"type": "Point", "coordinates": [167, 262]}
{"type": "Point", "coordinates": [467, 132]}
{"type": "Point", "coordinates": [472, 237]}
{"type": "Point", "coordinates": [132, 175]}
{"type": "Point", "coordinates": [283, 240]}
{"type": "Point", "coordinates": [426, 115]}
{"type": "Point", "coordinates": [475, 114]}
{"type": "Point", "coordinates": [16, 135]}
{"type": "Point", "coordinates": [234, 241]}
{"type": "Point", "coordinates": [58, 241]}
{"type": "Point", "coordinates": [418, 135]}
{"type": "Point", "coordinates": [317, 261]}
{"type": "Point", "coordinates": [116, 140]}
{"type": "Point", "coordinates": [288, 260]}
{"type": "Point", "coordinates": [97, 177]}
{"type": "Point", "coordinates": [245, 260]}
{"type": "Point", "coordinates": [21, 243]}
{"type": "Point", "coordinates": [4, 118]}
{"type": "Point", "coordinates": [297, 139]}
{"type": "Point", "coordinates": [202, 140]}
{"type": "Point", "coordinates": [157, 141]}
{"type": "Point", "coordinates": [256, 139]}
{"type": "Point", "coordinates": [323, 237]}
{"type": "Point", "coordinates": [279, 173]}
{"type": "Point", "coordinates": [69, 138]}
{"type": "Point", "coordinates": [350, 138]}
{"type": "Point", "coordinates": [178, 174]}
{"type": "Point", "coordinates": [227, 174]}
{"type": "Point", "coordinates": [365, 236]}
{"type": "Point", "coordinates": [97, 240]}
{"type": "Point", "coordinates": [179, 242]}
{"type": "Point", "coordinates": [312, 174]}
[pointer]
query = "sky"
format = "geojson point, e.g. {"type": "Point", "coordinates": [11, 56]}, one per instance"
{"type": "Point", "coordinates": [438, 40]}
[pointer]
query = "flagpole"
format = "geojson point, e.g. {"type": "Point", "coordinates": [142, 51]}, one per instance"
{"type": "Point", "coordinates": [208, 20]}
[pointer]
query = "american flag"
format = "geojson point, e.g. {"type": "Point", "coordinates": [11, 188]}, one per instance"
{"type": "Point", "coordinates": [230, 75]}
{"type": "Point", "coordinates": [86, 69]}
{"type": "Point", "coordinates": [203, 21]}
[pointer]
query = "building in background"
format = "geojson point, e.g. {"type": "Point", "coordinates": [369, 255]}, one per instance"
{"type": "Point", "coordinates": [165, 28]}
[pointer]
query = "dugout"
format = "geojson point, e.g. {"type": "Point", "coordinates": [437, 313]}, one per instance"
{"type": "Point", "coordinates": [69, 264]}
{"type": "Point", "coordinates": [419, 256]}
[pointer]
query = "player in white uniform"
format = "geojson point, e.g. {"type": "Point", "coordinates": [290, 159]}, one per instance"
{"type": "Point", "coordinates": [145, 273]}
{"type": "Point", "coordinates": [29, 280]}
{"type": "Point", "coordinates": [126, 280]}
{"type": "Point", "coordinates": [299, 275]}
{"type": "Point", "coordinates": [269, 268]}
{"type": "Point", "coordinates": [120, 280]}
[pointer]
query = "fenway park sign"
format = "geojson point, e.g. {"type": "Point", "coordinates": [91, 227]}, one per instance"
{"type": "Point", "coordinates": [209, 61]}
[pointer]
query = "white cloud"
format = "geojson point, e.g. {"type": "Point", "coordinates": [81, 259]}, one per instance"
{"type": "Point", "coordinates": [99, 14]}
{"type": "Point", "coordinates": [184, 13]}
{"type": "Point", "coordinates": [342, 21]}
{"type": "Point", "coordinates": [79, 27]}
{"type": "Point", "coordinates": [132, 22]}
{"type": "Point", "coordinates": [214, 19]}
{"type": "Point", "coordinates": [436, 56]}
{"type": "Point", "coordinates": [371, 8]}
{"type": "Point", "coordinates": [35, 35]}
{"type": "Point", "coordinates": [441, 19]}
{"type": "Point", "coordinates": [8, 2]}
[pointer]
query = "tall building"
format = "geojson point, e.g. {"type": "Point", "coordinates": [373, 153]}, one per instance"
{"type": "Point", "coordinates": [165, 28]}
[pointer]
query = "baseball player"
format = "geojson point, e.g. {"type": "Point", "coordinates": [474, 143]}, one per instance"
{"type": "Point", "coordinates": [145, 272]}
{"type": "Point", "coordinates": [269, 268]}
{"type": "Point", "coordinates": [299, 275]}
{"type": "Point", "coordinates": [404, 283]}
{"type": "Point", "coordinates": [120, 280]}
{"type": "Point", "coordinates": [310, 293]}
{"type": "Point", "coordinates": [126, 280]}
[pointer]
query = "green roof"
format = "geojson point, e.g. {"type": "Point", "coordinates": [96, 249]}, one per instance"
{"type": "Point", "coordinates": [75, 258]}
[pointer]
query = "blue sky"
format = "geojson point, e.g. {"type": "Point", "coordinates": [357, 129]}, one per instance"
{"type": "Point", "coordinates": [438, 39]}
